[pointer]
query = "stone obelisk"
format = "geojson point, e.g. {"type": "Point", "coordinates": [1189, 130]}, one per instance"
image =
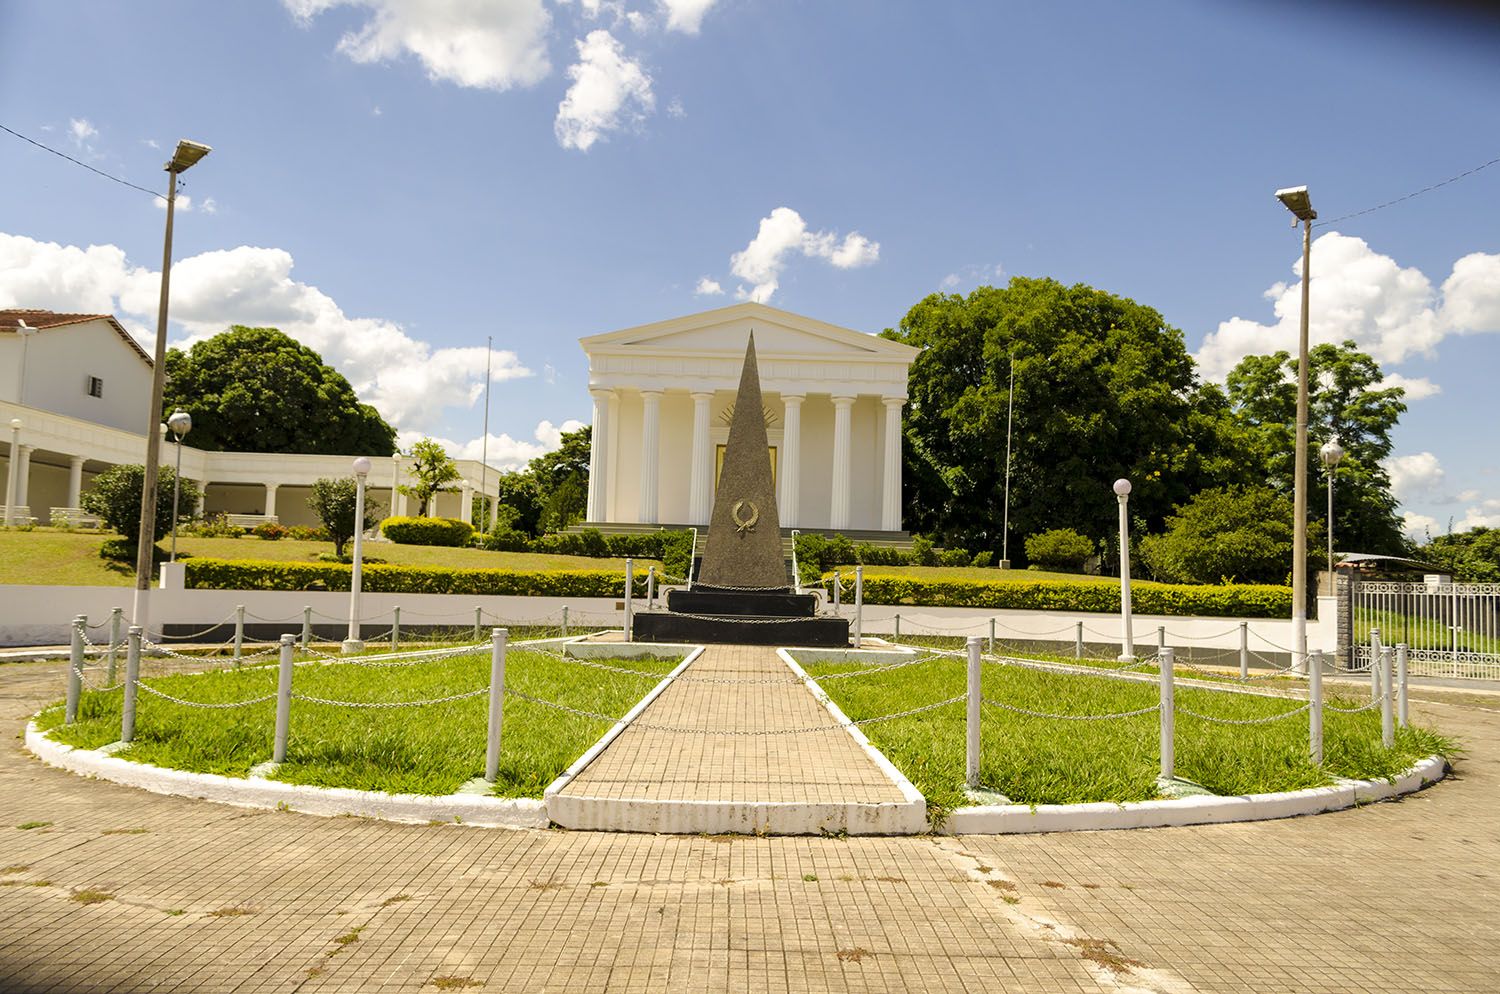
{"type": "Point", "coordinates": [744, 533]}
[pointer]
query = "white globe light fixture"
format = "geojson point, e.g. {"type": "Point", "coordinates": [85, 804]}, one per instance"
{"type": "Point", "coordinates": [181, 422]}
{"type": "Point", "coordinates": [1127, 638]}
{"type": "Point", "coordinates": [1331, 453]}
{"type": "Point", "coordinates": [352, 642]}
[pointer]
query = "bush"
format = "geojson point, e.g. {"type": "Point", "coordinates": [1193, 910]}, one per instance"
{"type": "Point", "coordinates": [217, 526]}
{"type": "Point", "coordinates": [116, 497]}
{"type": "Point", "coordinates": [230, 574]}
{"type": "Point", "coordinates": [504, 540]}
{"type": "Point", "coordinates": [922, 552]}
{"type": "Point", "coordinates": [1060, 549]}
{"type": "Point", "coordinates": [307, 533]}
{"type": "Point", "coordinates": [1224, 535]}
{"type": "Point", "coordinates": [983, 559]}
{"type": "Point", "coordinates": [1231, 601]}
{"type": "Point", "coordinates": [271, 531]}
{"type": "Point", "coordinates": [427, 531]}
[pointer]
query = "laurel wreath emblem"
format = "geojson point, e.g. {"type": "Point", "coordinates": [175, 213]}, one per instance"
{"type": "Point", "coordinates": [744, 523]}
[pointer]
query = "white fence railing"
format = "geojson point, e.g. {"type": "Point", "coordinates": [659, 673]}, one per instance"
{"type": "Point", "coordinates": [1449, 629]}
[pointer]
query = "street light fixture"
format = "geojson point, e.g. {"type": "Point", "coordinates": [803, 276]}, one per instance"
{"type": "Point", "coordinates": [25, 331]}
{"type": "Point", "coordinates": [1331, 453]}
{"type": "Point", "coordinates": [13, 470]}
{"type": "Point", "coordinates": [352, 643]}
{"type": "Point", "coordinates": [181, 422]}
{"type": "Point", "coordinates": [1296, 200]}
{"type": "Point", "coordinates": [185, 157]}
{"type": "Point", "coordinates": [1127, 638]}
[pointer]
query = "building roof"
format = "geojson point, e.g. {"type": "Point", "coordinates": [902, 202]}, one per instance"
{"type": "Point", "coordinates": [10, 320]}
{"type": "Point", "coordinates": [676, 333]}
{"type": "Point", "coordinates": [1396, 562]}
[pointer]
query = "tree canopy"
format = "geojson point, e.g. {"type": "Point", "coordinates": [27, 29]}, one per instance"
{"type": "Point", "coordinates": [431, 469]}
{"type": "Point", "coordinates": [259, 390]}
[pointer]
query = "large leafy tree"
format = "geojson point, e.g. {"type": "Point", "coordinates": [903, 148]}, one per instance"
{"type": "Point", "coordinates": [115, 497]}
{"type": "Point", "coordinates": [1473, 556]}
{"type": "Point", "coordinates": [335, 502]}
{"type": "Point", "coordinates": [431, 470]}
{"type": "Point", "coordinates": [1104, 388]}
{"type": "Point", "coordinates": [1346, 401]}
{"type": "Point", "coordinates": [562, 481]}
{"type": "Point", "coordinates": [1227, 534]}
{"type": "Point", "coordinates": [258, 390]}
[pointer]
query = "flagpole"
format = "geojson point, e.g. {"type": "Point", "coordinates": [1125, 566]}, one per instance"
{"type": "Point", "coordinates": [484, 448]}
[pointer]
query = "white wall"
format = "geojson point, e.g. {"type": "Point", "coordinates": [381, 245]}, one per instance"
{"type": "Point", "coordinates": [59, 362]}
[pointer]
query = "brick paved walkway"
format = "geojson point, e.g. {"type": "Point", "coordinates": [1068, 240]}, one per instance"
{"type": "Point", "coordinates": [200, 897]}
{"type": "Point", "coordinates": [734, 689]}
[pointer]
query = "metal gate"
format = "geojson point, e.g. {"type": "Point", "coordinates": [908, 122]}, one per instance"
{"type": "Point", "coordinates": [1450, 629]}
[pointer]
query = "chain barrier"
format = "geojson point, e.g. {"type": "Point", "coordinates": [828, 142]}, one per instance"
{"type": "Point", "coordinates": [385, 705]}
{"type": "Point", "coordinates": [596, 666]}
{"type": "Point", "coordinates": [276, 621]}
{"type": "Point", "coordinates": [199, 704]}
{"type": "Point", "coordinates": [1276, 672]}
{"type": "Point", "coordinates": [1364, 707]}
{"type": "Point", "coordinates": [877, 668]}
{"type": "Point", "coordinates": [737, 619]}
{"type": "Point", "coordinates": [399, 662]}
{"type": "Point", "coordinates": [1069, 717]}
{"type": "Point", "coordinates": [1204, 638]}
{"type": "Point", "coordinates": [1243, 721]}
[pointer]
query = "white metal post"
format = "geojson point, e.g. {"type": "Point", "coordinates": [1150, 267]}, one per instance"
{"type": "Point", "coordinates": [971, 716]}
{"type": "Point", "coordinates": [898, 627]}
{"type": "Point", "coordinates": [1374, 663]}
{"type": "Point", "coordinates": [132, 674]}
{"type": "Point", "coordinates": [1401, 701]}
{"type": "Point", "coordinates": [306, 627]}
{"type": "Point", "coordinates": [1315, 708]}
{"type": "Point", "coordinates": [629, 592]}
{"type": "Point", "coordinates": [565, 620]}
{"type": "Point", "coordinates": [1244, 650]}
{"type": "Point", "coordinates": [75, 671]}
{"type": "Point", "coordinates": [1161, 638]}
{"type": "Point", "coordinates": [283, 699]}
{"type": "Point", "coordinates": [1168, 715]}
{"type": "Point", "coordinates": [497, 703]}
{"type": "Point", "coordinates": [396, 628]}
{"type": "Point", "coordinates": [239, 633]}
{"type": "Point", "coordinates": [1127, 638]}
{"type": "Point", "coordinates": [116, 622]}
{"type": "Point", "coordinates": [478, 622]}
{"type": "Point", "coordinates": [859, 605]}
{"type": "Point", "coordinates": [650, 588]}
{"type": "Point", "coordinates": [352, 643]}
{"type": "Point", "coordinates": [992, 636]}
{"type": "Point", "coordinates": [838, 591]}
{"type": "Point", "coordinates": [1078, 640]}
{"type": "Point", "coordinates": [1387, 700]}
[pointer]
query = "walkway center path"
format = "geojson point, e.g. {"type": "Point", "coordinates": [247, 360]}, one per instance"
{"type": "Point", "coordinates": [736, 726]}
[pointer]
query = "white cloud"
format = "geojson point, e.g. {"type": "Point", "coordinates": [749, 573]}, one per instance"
{"type": "Point", "coordinates": [479, 44]}
{"type": "Point", "coordinates": [210, 205]}
{"type": "Point", "coordinates": [184, 203]}
{"type": "Point", "coordinates": [1359, 294]}
{"type": "Point", "coordinates": [609, 91]}
{"type": "Point", "coordinates": [685, 15]}
{"type": "Point", "coordinates": [639, 23]}
{"type": "Point", "coordinates": [986, 273]}
{"type": "Point", "coordinates": [409, 380]}
{"type": "Point", "coordinates": [707, 287]}
{"type": "Point", "coordinates": [1420, 473]}
{"type": "Point", "coordinates": [504, 452]}
{"type": "Point", "coordinates": [784, 233]}
{"type": "Point", "coordinates": [676, 109]}
{"type": "Point", "coordinates": [1416, 387]}
{"type": "Point", "coordinates": [1486, 514]}
{"type": "Point", "coordinates": [81, 130]}
{"type": "Point", "coordinates": [150, 143]}
{"type": "Point", "coordinates": [1418, 527]}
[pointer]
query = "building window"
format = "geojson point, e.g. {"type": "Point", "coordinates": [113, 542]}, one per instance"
{"type": "Point", "coordinates": [96, 387]}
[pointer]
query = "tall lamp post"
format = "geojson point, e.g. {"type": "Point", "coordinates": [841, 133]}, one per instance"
{"type": "Point", "coordinates": [13, 470]}
{"type": "Point", "coordinates": [352, 643]}
{"type": "Point", "coordinates": [1331, 453]}
{"type": "Point", "coordinates": [187, 155]}
{"type": "Point", "coordinates": [25, 331]}
{"type": "Point", "coordinates": [1010, 414]}
{"type": "Point", "coordinates": [1127, 638]}
{"type": "Point", "coordinates": [1296, 200]}
{"type": "Point", "coordinates": [181, 422]}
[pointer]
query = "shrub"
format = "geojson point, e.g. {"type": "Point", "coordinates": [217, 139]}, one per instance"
{"type": "Point", "coordinates": [334, 501]}
{"type": "Point", "coordinates": [983, 559]}
{"type": "Point", "coordinates": [504, 540]}
{"type": "Point", "coordinates": [1060, 549]}
{"type": "Point", "coordinates": [271, 531]}
{"type": "Point", "coordinates": [229, 574]}
{"type": "Point", "coordinates": [953, 557]}
{"type": "Point", "coordinates": [307, 533]}
{"type": "Point", "coordinates": [922, 552]}
{"type": "Point", "coordinates": [116, 498]}
{"type": "Point", "coordinates": [1226, 534]}
{"type": "Point", "coordinates": [217, 526]}
{"type": "Point", "coordinates": [427, 531]}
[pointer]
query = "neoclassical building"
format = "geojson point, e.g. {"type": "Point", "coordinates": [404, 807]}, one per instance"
{"type": "Point", "coordinates": [662, 396]}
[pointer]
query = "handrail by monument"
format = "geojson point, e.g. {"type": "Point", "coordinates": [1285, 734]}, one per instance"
{"type": "Point", "coordinates": [796, 572]}
{"type": "Point", "coordinates": [692, 555]}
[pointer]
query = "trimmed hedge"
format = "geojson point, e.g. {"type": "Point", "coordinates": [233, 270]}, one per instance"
{"type": "Point", "coordinates": [1229, 601]}
{"type": "Point", "coordinates": [246, 574]}
{"type": "Point", "coordinates": [427, 531]}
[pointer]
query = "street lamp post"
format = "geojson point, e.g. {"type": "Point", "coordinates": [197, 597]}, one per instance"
{"type": "Point", "coordinates": [181, 422]}
{"type": "Point", "coordinates": [1127, 639]}
{"type": "Point", "coordinates": [352, 643]}
{"type": "Point", "coordinates": [1010, 413]}
{"type": "Point", "coordinates": [25, 331]}
{"type": "Point", "coordinates": [1331, 453]}
{"type": "Point", "coordinates": [13, 470]}
{"type": "Point", "coordinates": [1296, 200]}
{"type": "Point", "coordinates": [184, 158]}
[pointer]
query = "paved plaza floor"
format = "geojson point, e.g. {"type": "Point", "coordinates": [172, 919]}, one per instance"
{"type": "Point", "coordinates": [114, 889]}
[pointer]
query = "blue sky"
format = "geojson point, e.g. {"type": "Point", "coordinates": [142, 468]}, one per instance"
{"type": "Point", "coordinates": [394, 180]}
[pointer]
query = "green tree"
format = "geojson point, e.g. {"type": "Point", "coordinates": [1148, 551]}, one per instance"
{"type": "Point", "coordinates": [519, 496]}
{"type": "Point", "coordinates": [1104, 388]}
{"type": "Point", "coordinates": [115, 496]}
{"type": "Point", "coordinates": [1239, 534]}
{"type": "Point", "coordinates": [1346, 401]}
{"type": "Point", "coordinates": [562, 481]}
{"type": "Point", "coordinates": [1472, 556]}
{"type": "Point", "coordinates": [259, 390]}
{"type": "Point", "coordinates": [334, 502]}
{"type": "Point", "coordinates": [432, 469]}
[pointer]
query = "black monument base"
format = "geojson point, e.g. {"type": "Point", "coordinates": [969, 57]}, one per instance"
{"type": "Point", "coordinates": [664, 626]}
{"type": "Point", "coordinates": [719, 601]}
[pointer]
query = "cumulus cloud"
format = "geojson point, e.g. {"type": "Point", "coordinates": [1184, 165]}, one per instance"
{"type": "Point", "coordinates": [473, 43]}
{"type": "Point", "coordinates": [707, 288]}
{"type": "Point", "coordinates": [1418, 527]}
{"type": "Point", "coordinates": [409, 380]}
{"type": "Point", "coordinates": [81, 131]}
{"type": "Point", "coordinates": [685, 15]}
{"type": "Point", "coordinates": [609, 92]}
{"type": "Point", "coordinates": [1391, 312]}
{"type": "Point", "coordinates": [783, 234]}
{"type": "Point", "coordinates": [1416, 387]}
{"type": "Point", "coordinates": [1418, 474]}
{"type": "Point", "coordinates": [184, 203]}
{"type": "Point", "coordinates": [504, 452]}
{"type": "Point", "coordinates": [676, 109]}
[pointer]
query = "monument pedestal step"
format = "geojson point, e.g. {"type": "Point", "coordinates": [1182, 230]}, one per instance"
{"type": "Point", "coordinates": [742, 603]}
{"type": "Point", "coordinates": [663, 626]}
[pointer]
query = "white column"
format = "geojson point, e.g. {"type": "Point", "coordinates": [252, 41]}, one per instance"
{"type": "Point", "coordinates": [701, 489]}
{"type": "Point", "coordinates": [841, 462]}
{"type": "Point", "coordinates": [395, 506]}
{"type": "Point", "coordinates": [466, 503]}
{"type": "Point", "coordinates": [271, 499]}
{"type": "Point", "coordinates": [202, 498]}
{"type": "Point", "coordinates": [599, 456]}
{"type": "Point", "coordinates": [788, 499]}
{"type": "Point", "coordinates": [75, 480]}
{"type": "Point", "coordinates": [23, 479]}
{"type": "Point", "coordinates": [890, 502]}
{"type": "Point", "coordinates": [650, 455]}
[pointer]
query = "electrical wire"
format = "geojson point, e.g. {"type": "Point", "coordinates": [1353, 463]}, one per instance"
{"type": "Point", "coordinates": [1392, 203]}
{"type": "Point", "coordinates": [78, 162]}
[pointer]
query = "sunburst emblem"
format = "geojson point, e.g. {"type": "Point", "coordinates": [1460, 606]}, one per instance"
{"type": "Point", "coordinates": [744, 522]}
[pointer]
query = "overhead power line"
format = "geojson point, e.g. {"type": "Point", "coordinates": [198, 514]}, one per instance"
{"type": "Point", "coordinates": [77, 162]}
{"type": "Point", "coordinates": [1392, 203]}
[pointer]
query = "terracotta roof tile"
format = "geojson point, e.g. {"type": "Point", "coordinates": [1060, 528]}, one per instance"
{"type": "Point", "coordinates": [11, 318]}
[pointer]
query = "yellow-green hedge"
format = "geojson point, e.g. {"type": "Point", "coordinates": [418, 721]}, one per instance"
{"type": "Point", "coordinates": [1228, 601]}
{"type": "Point", "coordinates": [245, 574]}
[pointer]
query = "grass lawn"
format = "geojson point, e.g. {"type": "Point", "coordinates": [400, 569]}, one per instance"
{"type": "Point", "coordinates": [44, 556]}
{"type": "Point", "coordinates": [1050, 761]}
{"type": "Point", "coordinates": [982, 573]}
{"type": "Point", "coordinates": [418, 750]}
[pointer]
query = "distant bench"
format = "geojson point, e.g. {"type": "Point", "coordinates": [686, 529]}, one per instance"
{"type": "Point", "coordinates": [19, 514]}
{"type": "Point", "coordinates": [74, 517]}
{"type": "Point", "coordinates": [250, 520]}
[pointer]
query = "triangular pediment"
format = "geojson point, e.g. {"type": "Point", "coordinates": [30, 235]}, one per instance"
{"type": "Point", "coordinates": [778, 334]}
